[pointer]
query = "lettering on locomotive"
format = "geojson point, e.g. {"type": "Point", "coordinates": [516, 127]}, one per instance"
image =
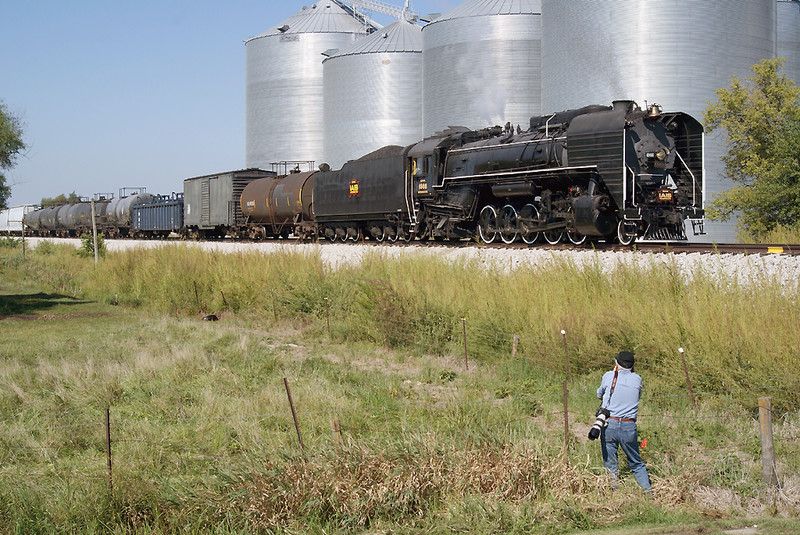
{"type": "Point", "coordinates": [354, 188]}
{"type": "Point", "coordinates": [665, 195]}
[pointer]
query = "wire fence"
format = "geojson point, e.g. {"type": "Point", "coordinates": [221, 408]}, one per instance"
{"type": "Point", "coordinates": [172, 443]}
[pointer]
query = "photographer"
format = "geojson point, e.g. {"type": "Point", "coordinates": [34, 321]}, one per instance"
{"type": "Point", "coordinates": [619, 391]}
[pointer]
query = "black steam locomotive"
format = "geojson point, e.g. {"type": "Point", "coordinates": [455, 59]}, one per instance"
{"type": "Point", "coordinates": [600, 172]}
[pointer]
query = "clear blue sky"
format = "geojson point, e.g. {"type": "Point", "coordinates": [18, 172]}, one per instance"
{"type": "Point", "coordinates": [122, 94]}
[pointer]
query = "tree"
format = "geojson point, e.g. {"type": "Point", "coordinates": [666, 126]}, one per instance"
{"type": "Point", "coordinates": [11, 145]}
{"type": "Point", "coordinates": [761, 118]}
{"type": "Point", "coordinates": [61, 198]}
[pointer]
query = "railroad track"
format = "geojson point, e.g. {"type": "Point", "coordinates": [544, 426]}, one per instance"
{"type": "Point", "coordinates": [652, 247]}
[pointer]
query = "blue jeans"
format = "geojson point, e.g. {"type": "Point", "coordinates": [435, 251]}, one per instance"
{"type": "Point", "coordinates": [623, 434]}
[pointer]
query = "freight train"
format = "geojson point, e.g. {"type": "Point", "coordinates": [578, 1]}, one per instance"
{"type": "Point", "coordinates": [615, 172]}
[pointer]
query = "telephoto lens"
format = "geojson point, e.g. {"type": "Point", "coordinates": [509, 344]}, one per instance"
{"type": "Point", "coordinates": [599, 423]}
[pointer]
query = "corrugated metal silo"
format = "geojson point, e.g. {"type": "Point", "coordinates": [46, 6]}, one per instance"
{"type": "Point", "coordinates": [789, 37]}
{"type": "Point", "coordinates": [481, 65]}
{"type": "Point", "coordinates": [372, 93]}
{"type": "Point", "coordinates": [672, 52]}
{"type": "Point", "coordinates": [284, 82]}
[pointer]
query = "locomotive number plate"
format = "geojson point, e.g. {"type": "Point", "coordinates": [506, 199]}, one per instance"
{"type": "Point", "coordinates": [665, 195]}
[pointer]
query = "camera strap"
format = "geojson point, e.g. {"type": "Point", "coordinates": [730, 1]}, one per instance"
{"type": "Point", "coordinates": [613, 385]}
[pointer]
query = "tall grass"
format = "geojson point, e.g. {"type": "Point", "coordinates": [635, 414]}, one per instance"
{"type": "Point", "coordinates": [780, 234]}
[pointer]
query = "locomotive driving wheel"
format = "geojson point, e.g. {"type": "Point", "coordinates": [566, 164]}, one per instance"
{"type": "Point", "coordinates": [624, 234]}
{"type": "Point", "coordinates": [576, 238]}
{"type": "Point", "coordinates": [487, 224]}
{"type": "Point", "coordinates": [553, 236]}
{"type": "Point", "coordinates": [526, 216]}
{"type": "Point", "coordinates": [508, 224]}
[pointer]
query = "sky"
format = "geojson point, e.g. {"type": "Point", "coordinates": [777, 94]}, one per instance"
{"type": "Point", "coordinates": [127, 94]}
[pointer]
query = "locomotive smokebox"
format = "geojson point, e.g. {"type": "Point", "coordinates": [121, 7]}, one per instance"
{"type": "Point", "coordinates": [594, 215]}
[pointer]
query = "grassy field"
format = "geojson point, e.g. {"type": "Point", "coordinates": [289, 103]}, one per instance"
{"type": "Point", "coordinates": [402, 431]}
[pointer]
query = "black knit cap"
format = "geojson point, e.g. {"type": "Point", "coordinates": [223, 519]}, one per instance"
{"type": "Point", "coordinates": [625, 359]}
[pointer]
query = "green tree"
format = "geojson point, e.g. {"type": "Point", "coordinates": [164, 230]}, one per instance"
{"type": "Point", "coordinates": [61, 198]}
{"type": "Point", "coordinates": [761, 118]}
{"type": "Point", "coordinates": [11, 145]}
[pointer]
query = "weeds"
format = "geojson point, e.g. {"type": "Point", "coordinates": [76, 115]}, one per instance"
{"type": "Point", "coordinates": [202, 434]}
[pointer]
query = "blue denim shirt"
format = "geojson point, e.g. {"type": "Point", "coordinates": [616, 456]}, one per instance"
{"type": "Point", "coordinates": [625, 401]}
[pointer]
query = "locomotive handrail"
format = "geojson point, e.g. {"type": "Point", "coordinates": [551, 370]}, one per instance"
{"type": "Point", "coordinates": [516, 172]}
{"type": "Point", "coordinates": [547, 125]}
{"type": "Point", "coordinates": [694, 180]}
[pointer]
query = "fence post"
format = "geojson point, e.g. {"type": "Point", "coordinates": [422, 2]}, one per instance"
{"type": "Point", "coordinates": [274, 308]}
{"type": "Point", "coordinates": [224, 301]}
{"type": "Point", "coordinates": [328, 315]}
{"type": "Point", "coordinates": [464, 330]}
{"type": "Point", "coordinates": [688, 382]}
{"type": "Point", "coordinates": [337, 430]}
{"type": "Point", "coordinates": [566, 354]}
{"type": "Point", "coordinates": [94, 234]}
{"type": "Point", "coordinates": [294, 414]}
{"type": "Point", "coordinates": [108, 449]}
{"type": "Point", "coordinates": [767, 447]}
{"type": "Point", "coordinates": [566, 422]}
{"type": "Point", "coordinates": [514, 346]}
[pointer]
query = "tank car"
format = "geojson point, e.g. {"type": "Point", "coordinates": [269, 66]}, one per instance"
{"type": "Point", "coordinates": [617, 172]}
{"type": "Point", "coordinates": [276, 206]}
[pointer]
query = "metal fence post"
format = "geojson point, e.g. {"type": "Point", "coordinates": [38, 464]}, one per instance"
{"type": "Point", "coordinates": [566, 354]}
{"type": "Point", "coordinates": [464, 330]}
{"type": "Point", "coordinates": [108, 449]}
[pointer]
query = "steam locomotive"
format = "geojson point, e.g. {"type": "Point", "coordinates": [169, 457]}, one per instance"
{"type": "Point", "coordinates": [600, 172]}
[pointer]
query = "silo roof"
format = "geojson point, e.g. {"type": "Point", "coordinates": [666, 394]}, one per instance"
{"type": "Point", "coordinates": [325, 16]}
{"type": "Point", "coordinates": [481, 8]}
{"type": "Point", "coordinates": [400, 36]}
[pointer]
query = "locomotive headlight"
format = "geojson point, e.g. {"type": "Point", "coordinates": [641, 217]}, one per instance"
{"type": "Point", "coordinates": [661, 154]}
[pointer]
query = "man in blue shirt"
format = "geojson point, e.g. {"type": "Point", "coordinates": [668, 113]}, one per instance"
{"type": "Point", "coordinates": [620, 390]}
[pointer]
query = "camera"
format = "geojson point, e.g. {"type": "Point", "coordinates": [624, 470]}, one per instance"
{"type": "Point", "coordinates": [601, 421]}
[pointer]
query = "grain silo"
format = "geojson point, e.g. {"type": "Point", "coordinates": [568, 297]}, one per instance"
{"type": "Point", "coordinates": [789, 37]}
{"type": "Point", "coordinates": [372, 93]}
{"type": "Point", "coordinates": [482, 65]}
{"type": "Point", "coordinates": [284, 82]}
{"type": "Point", "coordinates": [672, 52]}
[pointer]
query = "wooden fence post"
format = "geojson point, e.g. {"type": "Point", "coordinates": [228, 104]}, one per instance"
{"type": "Point", "coordinates": [566, 354]}
{"type": "Point", "coordinates": [514, 346]}
{"type": "Point", "coordinates": [688, 382]}
{"type": "Point", "coordinates": [767, 447]}
{"type": "Point", "coordinates": [337, 430]}
{"type": "Point", "coordinates": [108, 449]}
{"type": "Point", "coordinates": [294, 414]}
